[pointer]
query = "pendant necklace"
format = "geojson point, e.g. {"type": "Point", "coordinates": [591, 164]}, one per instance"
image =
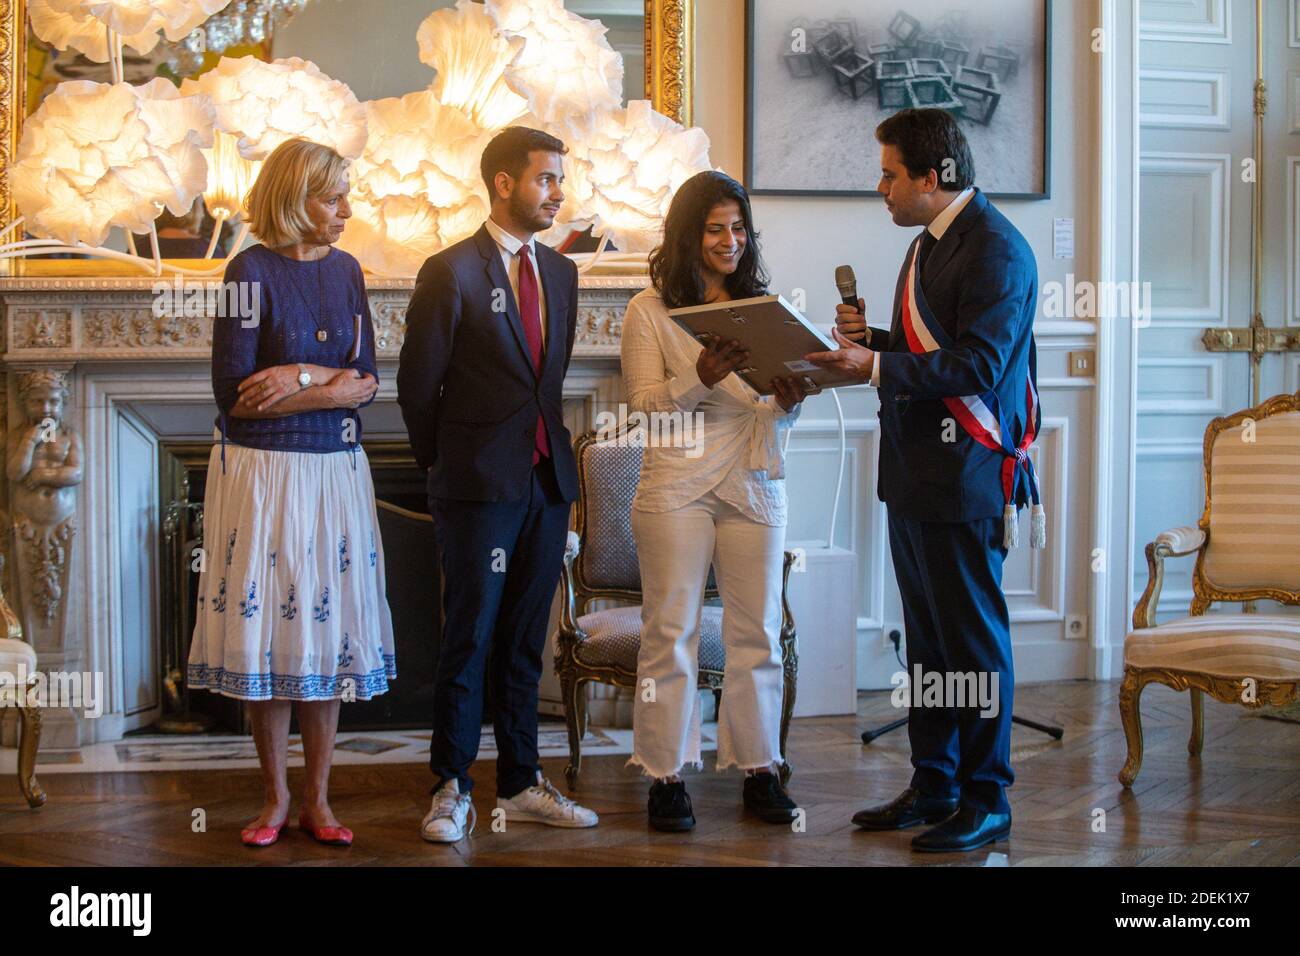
{"type": "Point", "coordinates": [321, 334]}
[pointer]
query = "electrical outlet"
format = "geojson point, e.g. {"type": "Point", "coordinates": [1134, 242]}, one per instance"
{"type": "Point", "coordinates": [1083, 364]}
{"type": "Point", "coordinates": [886, 640]}
{"type": "Point", "coordinates": [1076, 627]}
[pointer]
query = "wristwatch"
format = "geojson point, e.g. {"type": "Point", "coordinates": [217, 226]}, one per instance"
{"type": "Point", "coordinates": [304, 376]}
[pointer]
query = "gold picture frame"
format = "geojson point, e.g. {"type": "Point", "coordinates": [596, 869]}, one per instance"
{"type": "Point", "coordinates": [670, 73]}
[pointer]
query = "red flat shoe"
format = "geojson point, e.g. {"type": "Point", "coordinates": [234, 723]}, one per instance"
{"type": "Point", "coordinates": [262, 836]}
{"type": "Point", "coordinates": [334, 836]}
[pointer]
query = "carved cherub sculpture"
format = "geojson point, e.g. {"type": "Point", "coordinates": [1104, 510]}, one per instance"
{"type": "Point", "coordinates": [44, 462]}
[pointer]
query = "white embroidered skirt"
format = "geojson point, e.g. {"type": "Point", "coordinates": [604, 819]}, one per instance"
{"type": "Point", "coordinates": [291, 601]}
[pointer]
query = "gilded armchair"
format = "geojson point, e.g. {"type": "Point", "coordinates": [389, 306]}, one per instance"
{"type": "Point", "coordinates": [600, 564]}
{"type": "Point", "coordinates": [1247, 548]}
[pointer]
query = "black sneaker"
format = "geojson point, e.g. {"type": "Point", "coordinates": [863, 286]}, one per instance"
{"type": "Point", "coordinates": [670, 807]}
{"type": "Point", "coordinates": [765, 796]}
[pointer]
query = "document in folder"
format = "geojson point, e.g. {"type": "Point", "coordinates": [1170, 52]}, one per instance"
{"type": "Point", "coordinates": [777, 337]}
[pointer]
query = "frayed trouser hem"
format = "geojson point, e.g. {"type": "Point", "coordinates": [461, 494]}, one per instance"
{"type": "Point", "coordinates": [647, 771]}
{"type": "Point", "coordinates": [777, 761]}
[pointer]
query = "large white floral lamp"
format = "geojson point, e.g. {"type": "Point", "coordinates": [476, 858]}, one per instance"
{"type": "Point", "coordinates": [99, 28]}
{"type": "Point", "coordinates": [98, 155]}
{"type": "Point", "coordinates": [415, 189]}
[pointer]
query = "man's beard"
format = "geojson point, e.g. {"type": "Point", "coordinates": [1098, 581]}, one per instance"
{"type": "Point", "coordinates": [528, 216]}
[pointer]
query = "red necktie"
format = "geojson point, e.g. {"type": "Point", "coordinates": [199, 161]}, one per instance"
{"type": "Point", "coordinates": [531, 314]}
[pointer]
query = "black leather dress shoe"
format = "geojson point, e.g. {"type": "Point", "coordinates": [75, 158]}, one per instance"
{"type": "Point", "coordinates": [906, 810]}
{"type": "Point", "coordinates": [969, 829]}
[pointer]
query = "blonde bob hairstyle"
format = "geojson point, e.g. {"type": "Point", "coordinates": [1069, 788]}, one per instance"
{"type": "Point", "coordinates": [276, 206]}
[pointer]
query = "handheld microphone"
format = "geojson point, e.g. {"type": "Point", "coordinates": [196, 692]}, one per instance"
{"type": "Point", "coordinates": [847, 283]}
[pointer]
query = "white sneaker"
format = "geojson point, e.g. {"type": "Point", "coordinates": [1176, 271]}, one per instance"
{"type": "Point", "coordinates": [446, 819]}
{"type": "Point", "coordinates": [544, 804]}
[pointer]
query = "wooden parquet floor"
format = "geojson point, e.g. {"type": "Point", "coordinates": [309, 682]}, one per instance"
{"type": "Point", "coordinates": [1239, 804]}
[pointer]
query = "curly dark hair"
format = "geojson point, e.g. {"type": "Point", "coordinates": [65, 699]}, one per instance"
{"type": "Point", "coordinates": [675, 267]}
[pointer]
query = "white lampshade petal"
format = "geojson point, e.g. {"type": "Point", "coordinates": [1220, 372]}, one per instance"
{"type": "Point", "coordinates": [264, 104]}
{"type": "Point", "coordinates": [471, 57]}
{"type": "Point", "coordinates": [176, 18]}
{"type": "Point", "coordinates": [96, 155]}
{"type": "Point", "coordinates": [416, 187]}
{"type": "Point", "coordinates": [625, 174]}
{"type": "Point", "coordinates": [82, 25]}
{"type": "Point", "coordinates": [230, 177]}
{"type": "Point", "coordinates": [566, 69]}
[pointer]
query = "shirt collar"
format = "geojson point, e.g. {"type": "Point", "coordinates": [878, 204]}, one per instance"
{"type": "Point", "coordinates": [508, 242]}
{"type": "Point", "coordinates": [953, 210]}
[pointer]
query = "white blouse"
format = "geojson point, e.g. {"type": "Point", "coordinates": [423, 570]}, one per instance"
{"type": "Point", "coordinates": [737, 454]}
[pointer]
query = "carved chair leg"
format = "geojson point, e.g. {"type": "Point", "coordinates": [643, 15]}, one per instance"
{"type": "Point", "coordinates": [1198, 723]}
{"type": "Point", "coordinates": [1130, 694]}
{"type": "Point", "coordinates": [571, 689]}
{"type": "Point", "coordinates": [28, 743]}
{"type": "Point", "coordinates": [787, 712]}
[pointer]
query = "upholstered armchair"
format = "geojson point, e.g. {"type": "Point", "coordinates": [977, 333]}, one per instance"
{"type": "Point", "coordinates": [1247, 548]}
{"type": "Point", "coordinates": [17, 656]}
{"type": "Point", "coordinates": [600, 564]}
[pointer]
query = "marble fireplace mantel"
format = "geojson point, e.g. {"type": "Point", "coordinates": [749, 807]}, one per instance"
{"type": "Point", "coordinates": [81, 529]}
{"type": "Point", "coordinates": [61, 321]}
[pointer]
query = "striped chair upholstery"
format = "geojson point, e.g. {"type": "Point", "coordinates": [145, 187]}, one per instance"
{"type": "Point", "coordinates": [1263, 646]}
{"type": "Point", "coordinates": [1254, 536]}
{"type": "Point", "coordinates": [1247, 548]}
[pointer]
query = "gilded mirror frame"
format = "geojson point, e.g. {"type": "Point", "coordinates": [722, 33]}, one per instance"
{"type": "Point", "coordinates": [670, 69]}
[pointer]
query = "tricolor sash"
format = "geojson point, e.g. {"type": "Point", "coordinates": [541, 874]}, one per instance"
{"type": "Point", "coordinates": [980, 415]}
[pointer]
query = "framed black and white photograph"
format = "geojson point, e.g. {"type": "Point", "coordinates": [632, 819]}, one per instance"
{"type": "Point", "coordinates": [821, 74]}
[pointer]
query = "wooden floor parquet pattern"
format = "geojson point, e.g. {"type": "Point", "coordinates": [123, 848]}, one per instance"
{"type": "Point", "coordinates": [1238, 804]}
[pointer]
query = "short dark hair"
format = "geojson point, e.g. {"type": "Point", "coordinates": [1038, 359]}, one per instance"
{"type": "Point", "coordinates": [675, 267]}
{"type": "Point", "coordinates": [930, 139]}
{"type": "Point", "coordinates": [508, 152]}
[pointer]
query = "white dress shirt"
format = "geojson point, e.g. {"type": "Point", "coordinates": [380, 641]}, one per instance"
{"type": "Point", "coordinates": [510, 247]}
{"type": "Point", "coordinates": [938, 226]}
{"type": "Point", "coordinates": [738, 455]}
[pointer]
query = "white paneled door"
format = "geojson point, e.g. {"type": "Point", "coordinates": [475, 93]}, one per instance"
{"type": "Point", "coordinates": [1198, 172]}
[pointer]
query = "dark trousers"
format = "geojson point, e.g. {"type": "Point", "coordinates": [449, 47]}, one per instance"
{"type": "Point", "coordinates": [950, 578]}
{"type": "Point", "coordinates": [500, 564]}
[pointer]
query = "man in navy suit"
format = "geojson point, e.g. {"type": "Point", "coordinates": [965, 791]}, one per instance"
{"type": "Point", "coordinates": [489, 335]}
{"type": "Point", "coordinates": [958, 409]}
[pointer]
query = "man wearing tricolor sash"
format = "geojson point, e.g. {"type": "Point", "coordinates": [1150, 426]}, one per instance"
{"type": "Point", "coordinates": [958, 413]}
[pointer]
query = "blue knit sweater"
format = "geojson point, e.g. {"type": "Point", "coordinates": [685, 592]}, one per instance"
{"type": "Point", "coordinates": [296, 299]}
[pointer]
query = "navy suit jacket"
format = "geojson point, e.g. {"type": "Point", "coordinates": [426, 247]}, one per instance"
{"type": "Point", "coordinates": [469, 393]}
{"type": "Point", "coordinates": [981, 282]}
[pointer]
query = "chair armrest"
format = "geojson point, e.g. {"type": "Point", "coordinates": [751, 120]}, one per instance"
{"type": "Point", "coordinates": [1174, 543]}
{"type": "Point", "coordinates": [1178, 542]}
{"type": "Point", "coordinates": [568, 591]}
